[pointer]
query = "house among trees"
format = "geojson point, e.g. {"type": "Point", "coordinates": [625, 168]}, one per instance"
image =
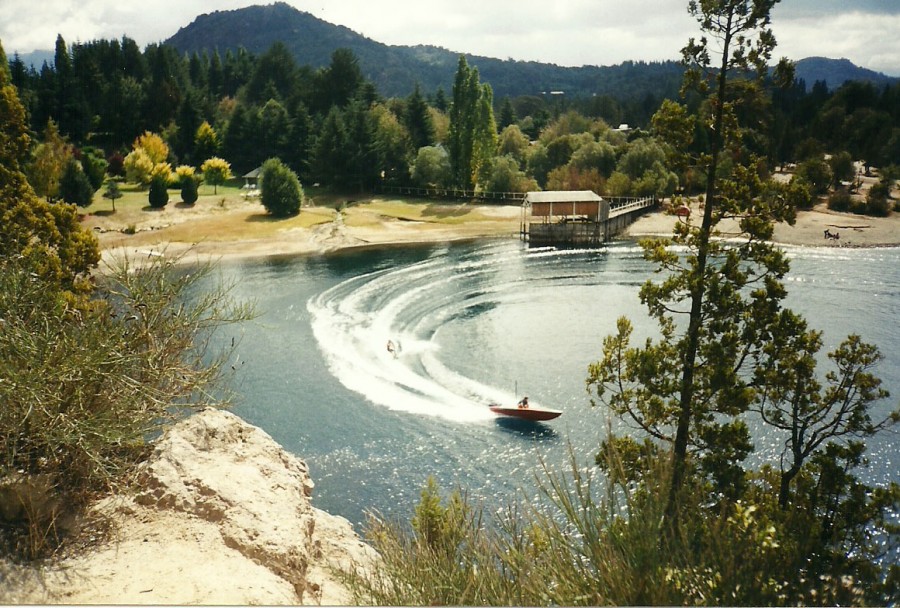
{"type": "Point", "coordinates": [251, 178]}
{"type": "Point", "coordinates": [251, 183]}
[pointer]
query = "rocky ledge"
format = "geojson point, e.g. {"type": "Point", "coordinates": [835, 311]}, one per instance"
{"type": "Point", "coordinates": [223, 516]}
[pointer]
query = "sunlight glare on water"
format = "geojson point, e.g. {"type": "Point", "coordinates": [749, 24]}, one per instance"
{"type": "Point", "coordinates": [481, 323]}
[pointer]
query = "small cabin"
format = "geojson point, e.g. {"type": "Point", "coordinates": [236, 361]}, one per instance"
{"type": "Point", "coordinates": [251, 178]}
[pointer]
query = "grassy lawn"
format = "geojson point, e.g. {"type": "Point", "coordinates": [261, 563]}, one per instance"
{"type": "Point", "coordinates": [225, 214]}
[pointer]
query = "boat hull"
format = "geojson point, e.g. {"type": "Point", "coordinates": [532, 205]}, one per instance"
{"type": "Point", "coordinates": [534, 413]}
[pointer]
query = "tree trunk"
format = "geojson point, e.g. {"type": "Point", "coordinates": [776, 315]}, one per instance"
{"type": "Point", "coordinates": [698, 293]}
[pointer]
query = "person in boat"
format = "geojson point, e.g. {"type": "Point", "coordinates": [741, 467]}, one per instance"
{"type": "Point", "coordinates": [390, 348]}
{"type": "Point", "coordinates": [523, 403]}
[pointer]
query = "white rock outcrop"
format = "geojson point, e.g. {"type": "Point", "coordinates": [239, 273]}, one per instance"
{"type": "Point", "coordinates": [223, 516]}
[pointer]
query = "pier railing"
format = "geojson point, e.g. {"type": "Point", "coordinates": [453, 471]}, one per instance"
{"type": "Point", "coordinates": [454, 194]}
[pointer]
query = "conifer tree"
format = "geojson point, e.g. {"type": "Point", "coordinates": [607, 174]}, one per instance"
{"type": "Point", "coordinates": [417, 120]}
{"type": "Point", "coordinates": [48, 234]}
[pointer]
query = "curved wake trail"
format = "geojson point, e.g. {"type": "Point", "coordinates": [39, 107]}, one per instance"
{"type": "Point", "coordinates": [353, 321]}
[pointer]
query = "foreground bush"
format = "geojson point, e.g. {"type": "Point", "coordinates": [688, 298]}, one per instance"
{"type": "Point", "coordinates": [85, 386]}
{"type": "Point", "coordinates": [601, 544]}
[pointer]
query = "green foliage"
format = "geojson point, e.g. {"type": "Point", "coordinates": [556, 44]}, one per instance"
{"type": "Point", "coordinates": [840, 200]}
{"type": "Point", "coordinates": [392, 143]}
{"type": "Point", "coordinates": [598, 155]}
{"type": "Point", "coordinates": [189, 192]}
{"type": "Point", "coordinates": [330, 158]}
{"type": "Point", "coordinates": [280, 190]}
{"type": "Point", "coordinates": [48, 161]}
{"type": "Point", "coordinates": [74, 185]}
{"type": "Point", "coordinates": [507, 177]}
{"type": "Point", "coordinates": [514, 143]}
{"type": "Point", "coordinates": [817, 173]}
{"type": "Point", "coordinates": [94, 166]}
{"type": "Point", "coordinates": [417, 120]}
{"type": "Point", "coordinates": [159, 192]}
{"type": "Point", "coordinates": [472, 140]}
{"type": "Point", "coordinates": [50, 234]}
{"type": "Point", "coordinates": [112, 192]}
{"type": "Point", "coordinates": [842, 169]}
{"type": "Point", "coordinates": [878, 199]}
{"type": "Point", "coordinates": [597, 542]}
{"type": "Point", "coordinates": [87, 383]}
{"type": "Point", "coordinates": [810, 531]}
{"type": "Point", "coordinates": [432, 167]}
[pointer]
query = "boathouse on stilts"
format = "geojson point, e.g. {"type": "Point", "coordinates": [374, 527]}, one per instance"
{"type": "Point", "coordinates": [577, 218]}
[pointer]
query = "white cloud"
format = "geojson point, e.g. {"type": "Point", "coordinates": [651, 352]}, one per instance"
{"type": "Point", "coordinates": [867, 40]}
{"type": "Point", "coordinates": [566, 32]}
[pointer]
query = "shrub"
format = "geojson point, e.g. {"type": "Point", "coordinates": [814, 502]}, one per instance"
{"type": "Point", "coordinates": [86, 385]}
{"type": "Point", "coordinates": [858, 207]}
{"type": "Point", "coordinates": [817, 173]}
{"type": "Point", "coordinates": [94, 166]}
{"type": "Point", "coordinates": [159, 192]}
{"type": "Point", "coordinates": [74, 185]}
{"type": "Point", "coordinates": [116, 164]}
{"type": "Point", "coordinates": [878, 200]}
{"type": "Point", "coordinates": [189, 190]}
{"type": "Point", "coordinates": [183, 172]}
{"type": "Point", "coordinates": [840, 200]}
{"type": "Point", "coordinates": [280, 190]}
{"type": "Point", "coordinates": [138, 167]}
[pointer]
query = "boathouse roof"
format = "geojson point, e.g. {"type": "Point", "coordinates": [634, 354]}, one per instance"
{"type": "Point", "coordinates": [562, 196]}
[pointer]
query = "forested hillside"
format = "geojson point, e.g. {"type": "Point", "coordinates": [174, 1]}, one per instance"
{"type": "Point", "coordinates": [394, 70]}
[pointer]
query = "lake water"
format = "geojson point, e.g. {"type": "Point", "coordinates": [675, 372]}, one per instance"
{"type": "Point", "coordinates": [476, 323]}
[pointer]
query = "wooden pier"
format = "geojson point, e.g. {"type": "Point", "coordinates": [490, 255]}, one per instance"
{"type": "Point", "coordinates": [573, 219]}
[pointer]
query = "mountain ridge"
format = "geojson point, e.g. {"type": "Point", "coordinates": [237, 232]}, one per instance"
{"type": "Point", "coordinates": [396, 69]}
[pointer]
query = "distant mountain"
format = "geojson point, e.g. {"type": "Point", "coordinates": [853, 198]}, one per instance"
{"type": "Point", "coordinates": [835, 72]}
{"type": "Point", "coordinates": [36, 58]}
{"type": "Point", "coordinates": [395, 69]}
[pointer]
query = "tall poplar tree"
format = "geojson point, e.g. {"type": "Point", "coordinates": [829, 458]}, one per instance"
{"type": "Point", "coordinates": [472, 137]}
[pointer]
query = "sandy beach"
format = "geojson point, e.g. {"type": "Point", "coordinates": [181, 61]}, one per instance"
{"type": "Point", "coordinates": [237, 228]}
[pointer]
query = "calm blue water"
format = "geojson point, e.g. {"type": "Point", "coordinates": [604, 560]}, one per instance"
{"type": "Point", "coordinates": [481, 322]}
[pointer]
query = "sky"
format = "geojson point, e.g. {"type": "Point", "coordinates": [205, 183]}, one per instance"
{"type": "Point", "coordinates": [565, 32]}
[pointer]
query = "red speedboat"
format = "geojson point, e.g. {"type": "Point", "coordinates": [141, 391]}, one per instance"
{"type": "Point", "coordinates": [532, 412]}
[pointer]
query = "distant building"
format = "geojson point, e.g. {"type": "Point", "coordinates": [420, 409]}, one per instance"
{"type": "Point", "coordinates": [251, 178]}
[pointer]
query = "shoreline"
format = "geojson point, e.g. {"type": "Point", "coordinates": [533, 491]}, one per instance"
{"type": "Point", "coordinates": [234, 234]}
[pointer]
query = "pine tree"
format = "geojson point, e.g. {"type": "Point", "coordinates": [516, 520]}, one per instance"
{"type": "Point", "coordinates": [75, 186]}
{"type": "Point", "coordinates": [417, 120]}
